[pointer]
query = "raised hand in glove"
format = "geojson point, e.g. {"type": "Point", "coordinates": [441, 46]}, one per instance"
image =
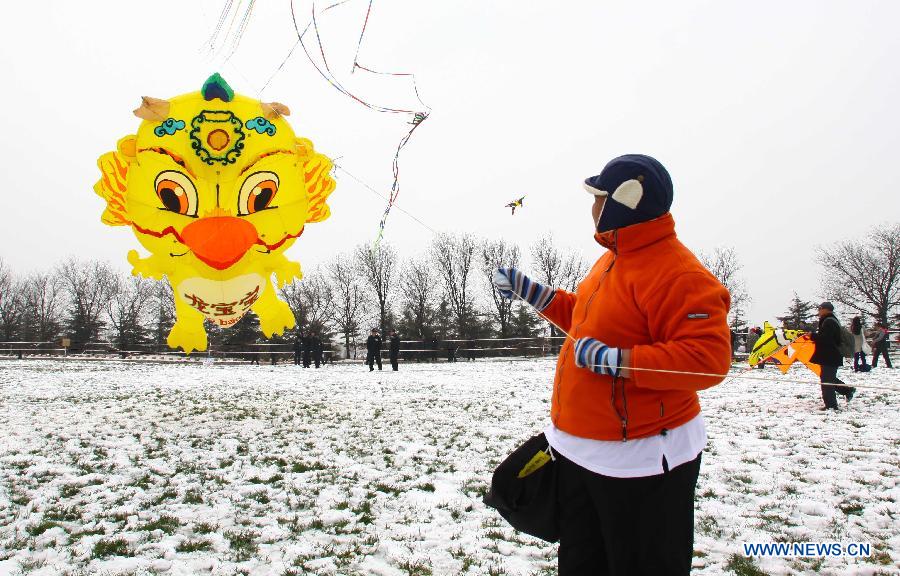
{"type": "Point", "coordinates": [512, 283]}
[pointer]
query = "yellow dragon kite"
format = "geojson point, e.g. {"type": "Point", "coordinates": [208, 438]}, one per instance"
{"type": "Point", "coordinates": [216, 186]}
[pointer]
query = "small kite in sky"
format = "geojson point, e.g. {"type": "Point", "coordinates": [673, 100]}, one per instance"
{"type": "Point", "coordinates": [515, 204]}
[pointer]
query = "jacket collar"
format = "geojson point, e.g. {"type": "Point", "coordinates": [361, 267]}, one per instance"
{"type": "Point", "coordinates": [637, 236]}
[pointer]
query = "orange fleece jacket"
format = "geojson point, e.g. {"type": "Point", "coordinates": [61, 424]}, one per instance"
{"type": "Point", "coordinates": [648, 293]}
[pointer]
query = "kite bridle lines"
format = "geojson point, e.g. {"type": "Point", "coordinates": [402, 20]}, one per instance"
{"type": "Point", "coordinates": [417, 117]}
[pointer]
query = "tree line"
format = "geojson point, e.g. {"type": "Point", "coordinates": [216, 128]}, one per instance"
{"type": "Point", "coordinates": [443, 292]}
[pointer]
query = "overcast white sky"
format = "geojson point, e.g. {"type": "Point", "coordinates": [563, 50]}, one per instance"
{"type": "Point", "coordinates": [777, 120]}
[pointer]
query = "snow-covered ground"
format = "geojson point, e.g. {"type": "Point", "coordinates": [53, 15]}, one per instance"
{"type": "Point", "coordinates": [129, 468]}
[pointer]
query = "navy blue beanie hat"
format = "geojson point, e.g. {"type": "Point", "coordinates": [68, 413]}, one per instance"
{"type": "Point", "coordinates": [638, 188]}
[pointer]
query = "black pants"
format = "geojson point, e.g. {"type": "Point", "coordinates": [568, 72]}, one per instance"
{"type": "Point", "coordinates": [829, 393]}
{"type": "Point", "coordinates": [306, 359]}
{"type": "Point", "coordinates": [882, 349]}
{"type": "Point", "coordinates": [297, 358]}
{"type": "Point", "coordinates": [626, 526]}
{"type": "Point", "coordinates": [394, 359]}
{"type": "Point", "coordinates": [372, 358]}
{"type": "Point", "coordinates": [859, 360]}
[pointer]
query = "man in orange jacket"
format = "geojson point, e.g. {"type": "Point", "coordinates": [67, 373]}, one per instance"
{"type": "Point", "coordinates": [648, 329]}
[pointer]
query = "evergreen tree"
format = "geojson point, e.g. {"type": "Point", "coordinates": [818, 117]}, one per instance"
{"type": "Point", "coordinates": [524, 323]}
{"type": "Point", "coordinates": [799, 315]}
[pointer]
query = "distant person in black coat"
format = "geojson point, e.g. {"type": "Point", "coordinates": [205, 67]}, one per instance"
{"type": "Point", "coordinates": [394, 352]}
{"type": "Point", "coordinates": [298, 348]}
{"type": "Point", "coordinates": [828, 356]}
{"type": "Point", "coordinates": [373, 350]}
{"type": "Point", "coordinates": [317, 350]}
{"type": "Point", "coordinates": [307, 351]}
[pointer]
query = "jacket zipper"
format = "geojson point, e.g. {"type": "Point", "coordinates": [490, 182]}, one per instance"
{"type": "Point", "coordinates": [615, 251]}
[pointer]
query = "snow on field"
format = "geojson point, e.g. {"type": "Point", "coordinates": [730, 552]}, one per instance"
{"type": "Point", "coordinates": [129, 468]}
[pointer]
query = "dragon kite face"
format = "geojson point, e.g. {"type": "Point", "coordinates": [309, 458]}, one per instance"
{"type": "Point", "coordinates": [216, 186]}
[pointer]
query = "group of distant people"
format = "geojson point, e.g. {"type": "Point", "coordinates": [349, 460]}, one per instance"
{"type": "Point", "coordinates": [829, 357]}
{"type": "Point", "coordinates": [876, 341]}
{"type": "Point", "coordinates": [373, 350]}
{"type": "Point", "coordinates": [309, 350]}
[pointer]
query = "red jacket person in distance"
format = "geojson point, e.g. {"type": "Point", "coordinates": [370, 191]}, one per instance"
{"type": "Point", "coordinates": [627, 437]}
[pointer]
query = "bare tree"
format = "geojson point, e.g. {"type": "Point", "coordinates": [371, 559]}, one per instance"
{"type": "Point", "coordinates": [556, 269]}
{"type": "Point", "coordinates": [499, 254]}
{"type": "Point", "coordinates": [454, 256]}
{"type": "Point", "coordinates": [724, 264]}
{"type": "Point", "coordinates": [574, 269]}
{"type": "Point", "coordinates": [864, 275]}
{"type": "Point", "coordinates": [12, 303]}
{"type": "Point", "coordinates": [44, 300]}
{"type": "Point", "coordinates": [417, 287]}
{"type": "Point", "coordinates": [127, 310]}
{"type": "Point", "coordinates": [89, 285]}
{"type": "Point", "coordinates": [312, 301]}
{"type": "Point", "coordinates": [378, 267]}
{"type": "Point", "coordinates": [348, 298]}
{"type": "Point", "coordinates": [547, 261]}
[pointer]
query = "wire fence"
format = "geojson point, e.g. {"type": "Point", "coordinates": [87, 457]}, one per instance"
{"type": "Point", "coordinates": [427, 350]}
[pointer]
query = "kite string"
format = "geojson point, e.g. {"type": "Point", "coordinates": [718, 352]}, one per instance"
{"type": "Point", "coordinates": [727, 377]}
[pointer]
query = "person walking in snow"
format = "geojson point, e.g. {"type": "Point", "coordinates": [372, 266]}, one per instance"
{"type": "Point", "coordinates": [828, 356]}
{"type": "Point", "coordinates": [394, 350]}
{"type": "Point", "coordinates": [859, 345]}
{"type": "Point", "coordinates": [628, 439]}
{"type": "Point", "coordinates": [880, 345]}
{"type": "Point", "coordinates": [373, 350]}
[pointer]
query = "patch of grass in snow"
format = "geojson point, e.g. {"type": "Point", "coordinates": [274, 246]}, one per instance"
{"type": "Point", "coordinates": [143, 482]}
{"type": "Point", "coordinates": [205, 528]}
{"type": "Point", "coordinates": [195, 545]}
{"type": "Point", "coordinates": [30, 564]}
{"type": "Point", "coordinates": [62, 514]}
{"type": "Point", "coordinates": [193, 497]}
{"type": "Point", "coordinates": [426, 487]}
{"type": "Point", "coordinates": [301, 467]}
{"type": "Point", "coordinates": [69, 490]}
{"type": "Point", "coordinates": [364, 510]}
{"type": "Point", "coordinates": [851, 508]}
{"type": "Point", "coordinates": [168, 494]}
{"type": "Point", "coordinates": [741, 566]}
{"type": "Point", "coordinates": [105, 548]}
{"type": "Point", "coordinates": [743, 478]}
{"type": "Point", "coordinates": [387, 489]}
{"type": "Point", "coordinates": [262, 497]}
{"type": "Point", "coordinates": [167, 524]}
{"type": "Point", "coordinates": [415, 567]}
{"type": "Point", "coordinates": [709, 526]}
{"type": "Point", "coordinates": [41, 527]}
{"type": "Point", "coordinates": [243, 544]}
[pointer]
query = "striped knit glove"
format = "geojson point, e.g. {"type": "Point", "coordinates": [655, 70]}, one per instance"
{"type": "Point", "coordinates": [598, 357]}
{"type": "Point", "coordinates": [510, 282]}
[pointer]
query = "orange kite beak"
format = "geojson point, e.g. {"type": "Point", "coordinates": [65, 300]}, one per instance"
{"type": "Point", "coordinates": [219, 241]}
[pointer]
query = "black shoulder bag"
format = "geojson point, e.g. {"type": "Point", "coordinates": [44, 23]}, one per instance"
{"type": "Point", "coordinates": [523, 489]}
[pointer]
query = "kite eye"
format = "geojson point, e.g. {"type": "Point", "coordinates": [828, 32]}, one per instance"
{"type": "Point", "coordinates": [177, 193]}
{"type": "Point", "coordinates": [257, 192]}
